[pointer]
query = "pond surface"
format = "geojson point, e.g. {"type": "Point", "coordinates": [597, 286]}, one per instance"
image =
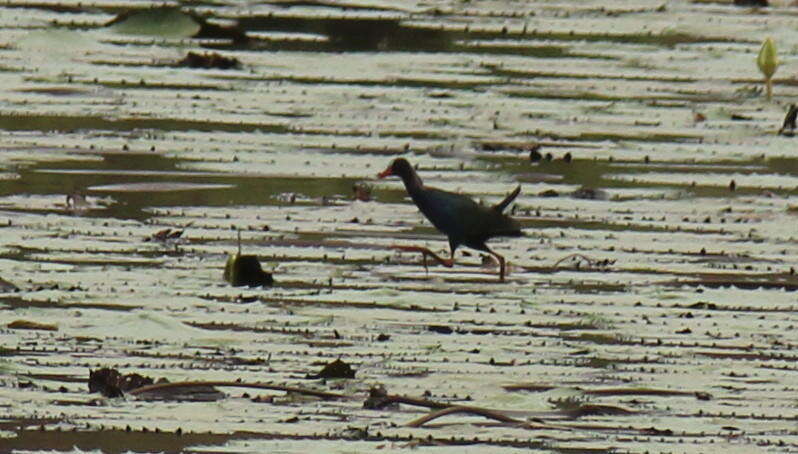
{"type": "Point", "coordinates": [650, 307]}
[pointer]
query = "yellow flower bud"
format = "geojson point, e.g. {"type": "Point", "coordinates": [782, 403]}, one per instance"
{"type": "Point", "coordinates": [768, 60]}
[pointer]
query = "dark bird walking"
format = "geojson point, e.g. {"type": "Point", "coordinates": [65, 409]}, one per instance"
{"type": "Point", "coordinates": [464, 221]}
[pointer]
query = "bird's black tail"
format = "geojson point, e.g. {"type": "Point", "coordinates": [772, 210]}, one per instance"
{"type": "Point", "coordinates": [507, 200]}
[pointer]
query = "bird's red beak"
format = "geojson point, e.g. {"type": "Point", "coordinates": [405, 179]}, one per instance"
{"type": "Point", "coordinates": [385, 173]}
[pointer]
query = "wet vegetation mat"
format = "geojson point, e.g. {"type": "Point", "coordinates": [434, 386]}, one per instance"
{"type": "Point", "coordinates": [150, 157]}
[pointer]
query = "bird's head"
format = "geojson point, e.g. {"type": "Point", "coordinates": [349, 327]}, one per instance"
{"type": "Point", "coordinates": [399, 167]}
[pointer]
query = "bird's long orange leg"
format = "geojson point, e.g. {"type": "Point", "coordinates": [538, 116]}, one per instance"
{"type": "Point", "coordinates": [501, 262]}
{"type": "Point", "coordinates": [426, 252]}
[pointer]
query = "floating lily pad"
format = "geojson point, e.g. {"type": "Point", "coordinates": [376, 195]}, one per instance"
{"type": "Point", "coordinates": [166, 22]}
{"type": "Point", "coordinates": [172, 22]}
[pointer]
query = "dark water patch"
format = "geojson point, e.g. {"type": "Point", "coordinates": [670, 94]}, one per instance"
{"type": "Point", "coordinates": [11, 304]}
{"type": "Point", "coordinates": [114, 441]}
{"type": "Point", "coordinates": [341, 6]}
{"type": "Point", "coordinates": [391, 34]}
{"type": "Point", "coordinates": [351, 35]}
{"type": "Point", "coordinates": [598, 173]}
{"type": "Point", "coordinates": [56, 7]}
{"type": "Point", "coordinates": [395, 35]}
{"type": "Point", "coordinates": [68, 177]}
{"type": "Point", "coordinates": [611, 174]}
{"type": "Point", "coordinates": [349, 31]}
{"type": "Point", "coordinates": [58, 378]}
{"type": "Point", "coordinates": [783, 165]}
{"type": "Point", "coordinates": [65, 124]}
{"type": "Point", "coordinates": [153, 439]}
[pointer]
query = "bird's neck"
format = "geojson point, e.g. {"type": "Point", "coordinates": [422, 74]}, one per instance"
{"type": "Point", "coordinates": [412, 182]}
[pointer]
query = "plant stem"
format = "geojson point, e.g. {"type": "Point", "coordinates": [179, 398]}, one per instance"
{"type": "Point", "coordinates": [769, 88]}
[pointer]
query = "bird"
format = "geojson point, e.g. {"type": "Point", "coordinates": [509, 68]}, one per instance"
{"type": "Point", "coordinates": [458, 216]}
{"type": "Point", "coordinates": [77, 203]}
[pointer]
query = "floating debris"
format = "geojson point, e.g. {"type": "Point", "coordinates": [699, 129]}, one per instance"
{"type": "Point", "coordinates": [28, 324]}
{"type": "Point", "coordinates": [362, 191]}
{"type": "Point", "coordinates": [111, 383]}
{"type": "Point", "coordinates": [788, 127]}
{"type": "Point", "coordinates": [590, 194]}
{"type": "Point", "coordinates": [245, 270]}
{"type": "Point", "coordinates": [208, 60]}
{"type": "Point", "coordinates": [77, 202]}
{"type": "Point", "coordinates": [379, 399]}
{"type": "Point", "coordinates": [335, 369]}
{"type": "Point", "coordinates": [581, 261]}
{"type": "Point", "coordinates": [534, 154]}
{"type": "Point", "coordinates": [165, 235]}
